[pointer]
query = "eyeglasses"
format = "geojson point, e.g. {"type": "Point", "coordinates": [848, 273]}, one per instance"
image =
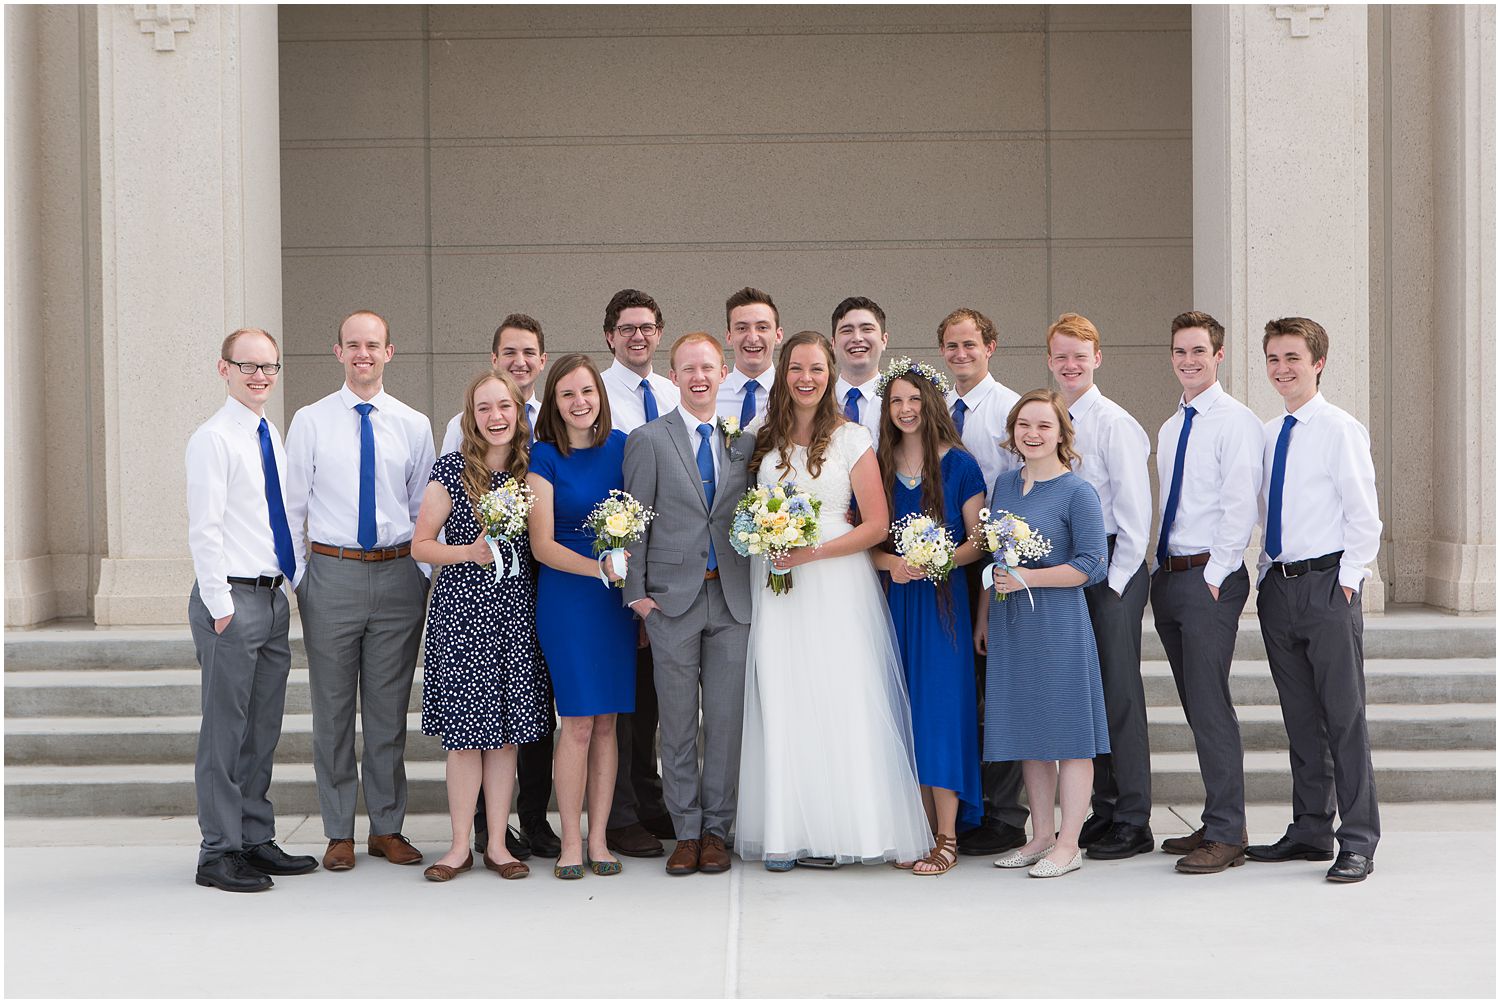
{"type": "Point", "coordinates": [249, 368]}
{"type": "Point", "coordinates": [628, 330]}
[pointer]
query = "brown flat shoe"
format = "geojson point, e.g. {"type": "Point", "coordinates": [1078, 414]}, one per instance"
{"type": "Point", "coordinates": [339, 856]}
{"type": "Point", "coordinates": [442, 872]}
{"type": "Point", "coordinates": [686, 858]}
{"type": "Point", "coordinates": [714, 857]}
{"type": "Point", "coordinates": [513, 871]}
{"type": "Point", "coordinates": [395, 847]}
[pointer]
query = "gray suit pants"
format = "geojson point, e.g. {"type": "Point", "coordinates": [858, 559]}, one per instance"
{"type": "Point", "coordinates": [701, 651]}
{"type": "Point", "coordinates": [1000, 782]}
{"type": "Point", "coordinates": [362, 624]}
{"type": "Point", "coordinates": [1315, 642]}
{"type": "Point", "coordinates": [1122, 779]}
{"type": "Point", "coordinates": [1198, 635]}
{"type": "Point", "coordinates": [244, 693]}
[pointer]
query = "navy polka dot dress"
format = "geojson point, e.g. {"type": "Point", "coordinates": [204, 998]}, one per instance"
{"type": "Point", "coordinates": [484, 683]}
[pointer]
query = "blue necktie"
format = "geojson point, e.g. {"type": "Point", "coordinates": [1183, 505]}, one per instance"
{"type": "Point", "coordinates": [1174, 494]}
{"type": "Point", "coordinates": [366, 477]}
{"type": "Point", "coordinates": [959, 410]}
{"type": "Point", "coordinates": [649, 399]}
{"type": "Point", "coordinates": [747, 409]}
{"type": "Point", "coordinates": [851, 404]}
{"type": "Point", "coordinates": [706, 473]}
{"type": "Point", "coordinates": [281, 533]}
{"type": "Point", "coordinates": [1278, 479]}
{"type": "Point", "coordinates": [531, 421]}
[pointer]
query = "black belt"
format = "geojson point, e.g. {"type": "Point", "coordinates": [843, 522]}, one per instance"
{"type": "Point", "coordinates": [263, 582]}
{"type": "Point", "coordinates": [1294, 569]}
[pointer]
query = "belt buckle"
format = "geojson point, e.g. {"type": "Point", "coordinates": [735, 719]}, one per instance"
{"type": "Point", "coordinates": [1286, 574]}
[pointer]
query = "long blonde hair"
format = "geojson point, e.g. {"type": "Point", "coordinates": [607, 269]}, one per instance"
{"type": "Point", "coordinates": [781, 417]}
{"type": "Point", "coordinates": [477, 479]}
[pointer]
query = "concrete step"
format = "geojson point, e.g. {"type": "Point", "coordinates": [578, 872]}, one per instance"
{"type": "Point", "coordinates": [157, 789]}
{"type": "Point", "coordinates": [75, 741]}
{"type": "Point", "coordinates": [175, 692]}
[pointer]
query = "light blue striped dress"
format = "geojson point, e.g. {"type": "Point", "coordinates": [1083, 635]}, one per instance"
{"type": "Point", "coordinates": [1043, 698]}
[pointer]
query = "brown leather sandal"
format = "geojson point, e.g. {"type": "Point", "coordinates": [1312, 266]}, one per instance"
{"type": "Point", "coordinates": [942, 858]}
{"type": "Point", "coordinates": [442, 872]}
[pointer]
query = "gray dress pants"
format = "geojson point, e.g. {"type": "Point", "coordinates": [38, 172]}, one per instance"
{"type": "Point", "coordinates": [1000, 782]}
{"type": "Point", "coordinates": [244, 694]}
{"type": "Point", "coordinates": [1122, 779]}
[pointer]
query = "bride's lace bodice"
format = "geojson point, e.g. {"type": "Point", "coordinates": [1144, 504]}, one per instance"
{"type": "Point", "coordinates": [831, 486]}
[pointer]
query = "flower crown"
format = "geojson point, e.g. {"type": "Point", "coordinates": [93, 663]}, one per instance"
{"type": "Point", "coordinates": [904, 366]}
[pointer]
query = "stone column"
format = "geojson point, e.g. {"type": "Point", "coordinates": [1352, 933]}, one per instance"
{"type": "Point", "coordinates": [190, 233]}
{"type": "Point", "coordinates": [1280, 191]}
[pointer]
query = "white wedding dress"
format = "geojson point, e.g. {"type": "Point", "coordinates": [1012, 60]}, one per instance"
{"type": "Point", "coordinates": [826, 768]}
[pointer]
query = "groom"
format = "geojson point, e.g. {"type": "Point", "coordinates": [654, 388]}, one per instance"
{"type": "Point", "coordinates": [693, 592]}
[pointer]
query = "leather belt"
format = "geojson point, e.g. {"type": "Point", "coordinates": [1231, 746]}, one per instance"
{"type": "Point", "coordinates": [262, 582]}
{"type": "Point", "coordinates": [355, 554]}
{"type": "Point", "coordinates": [709, 576]}
{"type": "Point", "coordinates": [1184, 563]}
{"type": "Point", "coordinates": [1295, 569]}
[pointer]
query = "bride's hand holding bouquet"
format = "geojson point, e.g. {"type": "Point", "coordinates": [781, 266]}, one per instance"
{"type": "Point", "coordinates": [778, 522]}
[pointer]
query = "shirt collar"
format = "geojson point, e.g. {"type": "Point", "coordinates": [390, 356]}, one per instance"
{"type": "Point", "coordinates": [978, 392]}
{"type": "Point", "coordinates": [1085, 404]}
{"type": "Point", "coordinates": [736, 380]}
{"type": "Point", "coordinates": [1204, 401]}
{"type": "Point", "coordinates": [241, 415]}
{"type": "Point", "coordinates": [624, 374]}
{"type": "Point", "coordinates": [867, 389]}
{"type": "Point", "coordinates": [350, 398]}
{"type": "Point", "coordinates": [692, 421]}
{"type": "Point", "coordinates": [1310, 411]}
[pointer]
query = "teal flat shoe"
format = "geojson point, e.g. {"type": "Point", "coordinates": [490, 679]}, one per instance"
{"type": "Point", "coordinates": [605, 868]}
{"type": "Point", "coordinates": [568, 872]}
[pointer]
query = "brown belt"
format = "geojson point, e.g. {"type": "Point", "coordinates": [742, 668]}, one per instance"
{"type": "Point", "coordinates": [709, 576]}
{"type": "Point", "coordinates": [1184, 563]}
{"type": "Point", "coordinates": [355, 554]}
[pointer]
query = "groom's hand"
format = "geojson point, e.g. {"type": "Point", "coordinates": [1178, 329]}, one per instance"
{"type": "Point", "coordinates": [644, 607]}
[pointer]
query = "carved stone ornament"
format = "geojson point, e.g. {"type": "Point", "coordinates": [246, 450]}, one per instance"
{"type": "Point", "coordinates": [1301, 17]}
{"type": "Point", "coordinates": [164, 21]}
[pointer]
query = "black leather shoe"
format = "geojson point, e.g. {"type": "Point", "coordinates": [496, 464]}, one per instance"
{"type": "Point", "coordinates": [1121, 841]}
{"type": "Point", "coordinates": [544, 842]}
{"type": "Point", "coordinates": [518, 845]}
{"type": "Point", "coordinates": [232, 874]}
{"type": "Point", "coordinates": [1094, 829]}
{"type": "Point", "coordinates": [1285, 849]}
{"type": "Point", "coordinates": [989, 837]}
{"type": "Point", "coordinates": [268, 858]}
{"type": "Point", "coordinates": [1351, 867]}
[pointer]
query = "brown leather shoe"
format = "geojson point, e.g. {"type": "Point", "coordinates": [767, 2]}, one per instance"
{"type": "Point", "coordinates": [396, 848]}
{"type": "Point", "coordinates": [339, 855]}
{"type": "Point", "coordinates": [714, 858]}
{"type": "Point", "coordinates": [1211, 857]}
{"type": "Point", "coordinates": [684, 859]}
{"type": "Point", "coordinates": [442, 872]}
{"type": "Point", "coordinates": [633, 840]}
{"type": "Point", "coordinates": [1181, 845]}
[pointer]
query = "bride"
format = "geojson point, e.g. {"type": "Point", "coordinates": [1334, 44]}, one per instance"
{"type": "Point", "coordinates": [827, 769]}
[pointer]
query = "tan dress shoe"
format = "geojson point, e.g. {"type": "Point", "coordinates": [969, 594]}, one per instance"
{"type": "Point", "coordinates": [714, 857]}
{"type": "Point", "coordinates": [686, 858]}
{"type": "Point", "coordinates": [1211, 857]}
{"type": "Point", "coordinates": [1181, 845]}
{"type": "Point", "coordinates": [339, 856]}
{"type": "Point", "coordinates": [396, 848]}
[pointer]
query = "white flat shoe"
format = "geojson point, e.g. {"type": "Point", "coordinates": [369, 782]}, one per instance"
{"type": "Point", "coordinates": [1015, 858]}
{"type": "Point", "coordinates": [1047, 869]}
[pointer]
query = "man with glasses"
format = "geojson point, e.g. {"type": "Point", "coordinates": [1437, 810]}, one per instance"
{"type": "Point", "coordinates": [239, 615]}
{"type": "Point", "coordinates": [638, 820]}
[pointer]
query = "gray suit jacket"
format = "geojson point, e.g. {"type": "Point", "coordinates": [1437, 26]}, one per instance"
{"type": "Point", "coordinates": [661, 471]}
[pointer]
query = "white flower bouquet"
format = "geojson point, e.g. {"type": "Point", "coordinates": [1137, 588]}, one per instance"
{"type": "Point", "coordinates": [773, 521]}
{"type": "Point", "coordinates": [617, 522]}
{"type": "Point", "coordinates": [1011, 540]}
{"type": "Point", "coordinates": [501, 514]}
{"type": "Point", "coordinates": [925, 543]}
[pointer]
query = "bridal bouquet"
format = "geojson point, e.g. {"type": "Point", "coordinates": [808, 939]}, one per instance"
{"type": "Point", "coordinates": [502, 518]}
{"type": "Point", "coordinates": [1012, 540]}
{"type": "Point", "coordinates": [772, 521]}
{"type": "Point", "coordinates": [617, 522]}
{"type": "Point", "coordinates": [925, 544]}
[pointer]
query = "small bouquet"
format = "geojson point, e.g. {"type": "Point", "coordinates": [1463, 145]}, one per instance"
{"type": "Point", "coordinates": [729, 426]}
{"type": "Point", "coordinates": [925, 544]}
{"type": "Point", "coordinates": [502, 518]}
{"type": "Point", "coordinates": [1012, 540]}
{"type": "Point", "coordinates": [773, 521]}
{"type": "Point", "coordinates": [617, 522]}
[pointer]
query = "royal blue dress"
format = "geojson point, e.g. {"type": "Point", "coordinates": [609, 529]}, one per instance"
{"type": "Point", "coordinates": [588, 636]}
{"type": "Point", "coordinates": [935, 638]}
{"type": "Point", "coordinates": [1043, 698]}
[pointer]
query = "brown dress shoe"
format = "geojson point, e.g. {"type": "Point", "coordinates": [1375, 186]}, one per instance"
{"type": "Point", "coordinates": [1211, 857]}
{"type": "Point", "coordinates": [684, 859]}
{"type": "Point", "coordinates": [714, 859]}
{"type": "Point", "coordinates": [1181, 845]}
{"type": "Point", "coordinates": [633, 840]}
{"type": "Point", "coordinates": [396, 848]}
{"type": "Point", "coordinates": [339, 856]}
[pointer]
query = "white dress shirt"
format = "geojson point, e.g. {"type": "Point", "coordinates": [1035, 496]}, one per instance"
{"type": "Point", "coordinates": [627, 406]}
{"type": "Point", "coordinates": [1216, 507]}
{"type": "Point", "coordinates": [453, 435]}
{"type": "Point", "coordinates": [732, 392]}
{"type": "Point", "coordinates": [1328, 500]}
{"type": "Point", "coordinates": [869, 403]}
{"type": "Point", "coordinates": [1116, 458]}
{"type": "Point", "coordinates": [322, 448]}
{"type": "Point", "coordinates": [989, 402]}
{"type": "Point", "coordinates": [229, 523]}
{"type": "Point", "coordinates": [716, 440]}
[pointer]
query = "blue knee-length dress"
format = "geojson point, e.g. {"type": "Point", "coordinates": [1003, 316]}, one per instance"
{"type": "Point", "coordinates": [587, 635]}
{"type": "Point", "coordinates": [935, 639]}
{"type": "Point", "coordinates": [1043, 697]}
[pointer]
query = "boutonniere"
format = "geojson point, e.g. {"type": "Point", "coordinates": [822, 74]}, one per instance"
{"type": "Point", "coordinates": [730, 426]}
